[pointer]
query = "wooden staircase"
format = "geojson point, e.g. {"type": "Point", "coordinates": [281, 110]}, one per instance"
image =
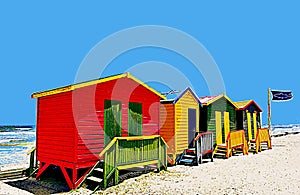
{"type": "Point", "coordinates": [203, 149]}
{"type": "Point", "coordinates": [261, 142]}
{"type": "Point", "coordinates": [252, 146]}
{"type": "Point", "coordinates": [125, 153]}
{"type": "Point", "coordinates": [188, 157]}
{"type": "Point", "coordinates": [13, 174]}
{"type": "Point", "coordinates": [221, 151]}
{"type": "Point", "coordinates": [94, 179]}
{"type": "Point", "coordinates": [235, 142]}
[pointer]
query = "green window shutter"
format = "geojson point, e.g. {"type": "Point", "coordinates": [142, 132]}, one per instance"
{"type": "Point", "coordinates": [135, 119]}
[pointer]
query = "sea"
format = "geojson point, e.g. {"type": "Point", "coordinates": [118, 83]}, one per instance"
{"type": "Point", "coordinates": [15, 143]}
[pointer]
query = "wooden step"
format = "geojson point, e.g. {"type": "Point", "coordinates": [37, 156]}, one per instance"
{"type": "Point", "coordinates": [189, 156]}
{"type": "Point", "coordinates": [152, 166]}
{"type": "Point", "coordinates": [99, 170]}
{"type": "Point", "coordinates": [221, 150]}
{"type": "Point", "coordinates": [191, 150]}
{"type": "Point", "coordinates": [12, 174]}
{"type": "Point", "coordinates": [95, 179]}
{"type": "Point", "coordinates": [186, 160]}
{"type": "Point", "coordinates": [222, 146]}
{"type": "Point", "coordinates": [219, 154]}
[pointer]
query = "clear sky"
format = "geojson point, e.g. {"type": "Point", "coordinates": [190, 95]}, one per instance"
{"type": "Point", "coordinates": [254, 43]}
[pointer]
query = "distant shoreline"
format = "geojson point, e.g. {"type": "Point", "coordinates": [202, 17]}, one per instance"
{"type": "Point", "coordinates": [9, 128]}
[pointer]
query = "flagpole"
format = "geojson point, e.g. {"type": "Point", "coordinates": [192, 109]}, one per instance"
{"type": "Point", "coordinates": [269, 109]}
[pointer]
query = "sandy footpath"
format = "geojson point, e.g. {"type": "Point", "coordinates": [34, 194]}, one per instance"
{"type": "Point", "coordinates": [275, 171]}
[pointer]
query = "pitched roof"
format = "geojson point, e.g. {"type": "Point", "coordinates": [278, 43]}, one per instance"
{"type": "Point", "coordinates": [181, 94]}
{"type": "Point", "coordinates": [207, 100]}
{"type": "Point", "coordinates": [242, 105]}
{"type": "Point", "coordinates": [93, 82]}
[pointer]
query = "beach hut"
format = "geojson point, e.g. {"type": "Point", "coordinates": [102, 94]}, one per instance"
{"type": "Point", "coordinates": [217, 115]}
{"type": "Point", "coordinates": [248, 117]}
{"type": "Point", "coordinates": [179, 122]}
{"type": "Point", "coordinates": [113, 120]}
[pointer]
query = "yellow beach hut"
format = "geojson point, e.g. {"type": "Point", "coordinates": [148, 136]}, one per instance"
{"type": "Point", "coordinates": [179, 120]}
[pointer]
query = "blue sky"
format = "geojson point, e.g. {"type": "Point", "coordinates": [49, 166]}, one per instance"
{"type": "Point", "coordinates": [255, 45]}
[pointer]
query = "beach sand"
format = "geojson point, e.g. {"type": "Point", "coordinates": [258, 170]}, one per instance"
{"type": "Point", "coordinates": [275, 171]}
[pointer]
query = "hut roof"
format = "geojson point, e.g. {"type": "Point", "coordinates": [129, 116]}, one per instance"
{"type": "Point", "coordinates": [207, 100]}
{"type": "Point", "coordinates": [173, 101]}
{"type": "Point", "coordinates": [94, 82]}
{"type": "Point", "coordinates": [242, 105]}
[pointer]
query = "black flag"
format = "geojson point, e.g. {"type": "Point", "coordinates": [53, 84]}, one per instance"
{"type": "Point", "coordinates": [278, 95]}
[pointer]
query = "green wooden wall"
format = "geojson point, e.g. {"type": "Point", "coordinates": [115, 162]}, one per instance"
{"type": "Point", "coordinates": [208, 112]}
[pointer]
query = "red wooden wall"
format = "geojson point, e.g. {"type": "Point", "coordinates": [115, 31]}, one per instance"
{"type": "Point", "coordinates": [70, 125]}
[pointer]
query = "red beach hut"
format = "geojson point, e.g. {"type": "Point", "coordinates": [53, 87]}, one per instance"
{"type": "Point", "coordinates": [77, 122]}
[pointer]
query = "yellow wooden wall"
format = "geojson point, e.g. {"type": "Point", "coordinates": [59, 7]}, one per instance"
{"type": "Point", "coordinates": [167, 125]}
{"type": "Point", "coordinates": [181, 120]}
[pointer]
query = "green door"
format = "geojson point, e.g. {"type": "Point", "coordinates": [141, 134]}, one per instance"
{"type": "Point", "coordinates": [112, 120]}
{"type": "Point", "coordinates": [135, 119]}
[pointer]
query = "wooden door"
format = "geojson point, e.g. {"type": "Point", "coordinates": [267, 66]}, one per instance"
{"type": "Point", "coordinates": [218, 116]}
{"type": "Point", "coordinates": [254, 124]}
{"type": "Point", "coordinates": [191, 126]}
{"type": "Point", "coordinates": [249, 126]}
{"type": "Point", "coordinates": [226, 125]}
{"type": "Point", "coordinates": [112, 120]}
{"type": "Point", "coordinates": [135, 119]}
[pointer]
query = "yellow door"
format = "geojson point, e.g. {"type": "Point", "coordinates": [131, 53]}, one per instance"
{"type": "Point", "coordinates": [249, 126]}
{"type": "Point", "coordinates": [218, 127]}
{"type": "Point", "coordinates": [226, 124]}
{"type": "Point", "coordinates": [254, 124]}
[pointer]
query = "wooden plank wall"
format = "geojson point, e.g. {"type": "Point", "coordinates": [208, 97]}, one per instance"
{"type": "Point", "coordinates": [167, 125]}
{"type": "Point", "coordinates": [55, 128]}
{"type": "Point", "coordinates": [220, 105]}
{"type": "Point", "coordinates": [70, 125]}
{"type": "Point", "coordinates": [181, 120]}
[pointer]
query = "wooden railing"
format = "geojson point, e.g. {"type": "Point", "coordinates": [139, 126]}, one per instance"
{"type": "Point", "coordinates": [129, 152]}
{"type": "Point", "coordinates": [228, 146]}
{"type": "Point", "coordinates": [33, 163]}
{"type": "Point", "coordinates": [237, 139]}
{"type": "Point", "coordinates": [234, 140]}
{"type": "Point", "coordinates": [204, 145]}
{"type": "Point", "coordinates": [262, 136]}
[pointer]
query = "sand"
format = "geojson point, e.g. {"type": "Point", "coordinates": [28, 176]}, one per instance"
{"type": "Point", "coordinates": [275, 171]}
{"type": "Point", "coordinates": [6, 189]}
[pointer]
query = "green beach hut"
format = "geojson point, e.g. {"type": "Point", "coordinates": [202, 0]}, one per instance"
{"type": "Point", "coordinates": [218, 115]}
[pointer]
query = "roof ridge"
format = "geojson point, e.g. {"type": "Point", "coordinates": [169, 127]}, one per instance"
{"type": "Point", "coordinates": [74, 86]}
